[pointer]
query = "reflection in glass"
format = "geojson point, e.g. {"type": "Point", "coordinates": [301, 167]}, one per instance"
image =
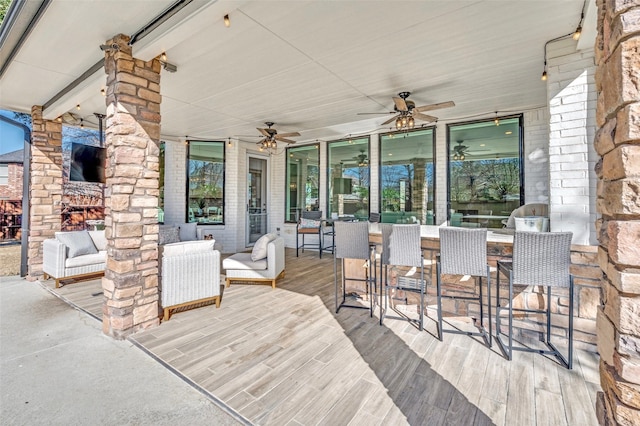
{"type": "Point", "coordinates": [303, 180]}
{"type": "Point", "coordinates": [206, 182]}
{"type": "Point", "coordinates": [349, 178]}
{"type": "Point", "coordinates": [485, 172]}
{"type": "Point", "coordinates": [407, 177]}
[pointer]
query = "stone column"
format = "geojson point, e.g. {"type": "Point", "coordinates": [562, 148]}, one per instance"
{"type": "Point", "coordinates": [45, 191]}
{"type": "Point", "coordinates": [617, 141]}
{"type": "Point", "coordinates": [132, 133]}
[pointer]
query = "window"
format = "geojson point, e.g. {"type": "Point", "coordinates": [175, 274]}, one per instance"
{"type": "Point", "coordinates": [303, 180]}
{"type": "Point", "coordinates": [348, 178]}
{"type": "Point", "coordinates": [485, 171]}
{"type": "Point", "coordinates": [4, 174]}
{"type": "Point", "coordinates": [407, 178]}
{"type": "Point", "coordinates": [205, 177]}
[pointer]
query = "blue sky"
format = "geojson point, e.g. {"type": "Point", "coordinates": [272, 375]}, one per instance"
{"type": "Point", "coordinates": [11, 137]}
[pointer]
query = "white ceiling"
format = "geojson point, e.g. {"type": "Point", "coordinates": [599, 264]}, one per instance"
{"type": "Point", "coordinates": [308, 66]}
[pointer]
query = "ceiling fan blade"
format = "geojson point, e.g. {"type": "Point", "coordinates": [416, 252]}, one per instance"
{"type": "Point", "coordinates": [281, 139]}
{"type": "Point", "coordinates": [70, 118]}
{"type": "Point", "coordinates": [431, 107]}
{"type": "Point", "coordinates": [263, 131]}
{"type": "Point", "coordinates": [376, 113]}
{"type": "Point", "coordinates": [401, 105]}
{"type": "Point", "coordinates": [390, 120]}
{"type": "Point", "coordinates": [424, 117]}
{"type": "Point", "coordinates": [287, 135]}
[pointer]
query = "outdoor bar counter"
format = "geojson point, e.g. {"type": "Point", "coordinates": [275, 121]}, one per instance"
{"type": "Point", "coordinates": [499, 245]}
{"type": "Point", "coordinates": [584, 268]}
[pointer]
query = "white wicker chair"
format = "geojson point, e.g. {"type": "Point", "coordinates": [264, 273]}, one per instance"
{"type": "Point", "coordinates": [190, 275]}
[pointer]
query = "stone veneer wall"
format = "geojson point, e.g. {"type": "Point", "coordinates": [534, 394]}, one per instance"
{"type": "Point", "coordinates": [132, 169]}
{"type": "Point", "coordinates": [617, 141]}
{"type": "Point", "coordinates": [45, 187]}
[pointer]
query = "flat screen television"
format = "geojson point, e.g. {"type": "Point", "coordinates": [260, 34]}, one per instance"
{"type": "Point", "coordinates": [87, 163]}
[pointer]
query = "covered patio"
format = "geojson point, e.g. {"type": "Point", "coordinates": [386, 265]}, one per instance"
{"type": "Point", "coordinates": [283, 356]}
{"type": "Point", "coordinates": [191, 80]}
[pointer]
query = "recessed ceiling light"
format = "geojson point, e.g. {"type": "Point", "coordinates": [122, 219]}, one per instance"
{"type": "Point", "coordinates": [482, 144]}
{"type": "Point", "coordinates": [508, 132]}
{"type": "Point", "coordinates": [390, 154]}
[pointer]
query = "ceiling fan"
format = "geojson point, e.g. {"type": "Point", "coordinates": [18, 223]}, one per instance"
{"type": "Point", "coordinates": [361, 159]}
{"type": "Point", "coordinates": [271, 137]}
{"type": "Point", "coordinates": [70, 118]}
{"type": "Point", "coordinates": [460, 151]}
{"type": "Point", "coordinates": [407, 112]}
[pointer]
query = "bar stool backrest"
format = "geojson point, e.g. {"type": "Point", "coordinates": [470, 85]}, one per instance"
{"type": "Point", "coordinates": [314, 214]}
{"type": "Point", "coordinates": [463, 251]}
{"type": "Point", "coordinates": [542, 258]}
{"type": "Point", "coordinates": [404, 245]}
{"type": "Point", "coordinates": [352, 240]}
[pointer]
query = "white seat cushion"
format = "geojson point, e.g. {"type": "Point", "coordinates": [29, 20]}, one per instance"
{"type": "Point", "coordinates": [86, 259]}
{"type": "Point", "coordinates": [243, 261]}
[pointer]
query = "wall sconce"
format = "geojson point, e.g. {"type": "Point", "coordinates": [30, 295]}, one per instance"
{"type": "Point", "coordinates": [169, 67]}
{"type": "Point", "coordinates": [166, 65]}
{"type": "Point", "coordinates": [227, 21]}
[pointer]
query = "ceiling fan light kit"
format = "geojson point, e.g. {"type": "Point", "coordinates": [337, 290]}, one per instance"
{"type": "Point", "coordinates": [406, 112]}
{"type": "Point", "coordinates": [271, 138]}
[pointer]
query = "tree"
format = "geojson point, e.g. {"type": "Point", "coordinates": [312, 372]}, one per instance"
{"type": "Point", "coordinates": [4, 7]}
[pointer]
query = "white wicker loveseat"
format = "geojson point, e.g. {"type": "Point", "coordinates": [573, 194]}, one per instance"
{"type": "Point", "coordinates": [264, 264]}
{"type": "Point", "coordinates": [74, 255]}
{"type": "Point", "coordinates": [189, 275]}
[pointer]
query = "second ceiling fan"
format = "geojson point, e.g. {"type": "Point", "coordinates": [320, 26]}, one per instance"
{"type": "Point", "coordinates": [406, 112]}
{"type": "Point", "coordinates": [272, 137]}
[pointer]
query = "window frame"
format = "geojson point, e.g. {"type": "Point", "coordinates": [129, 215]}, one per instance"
{"type": "Point", "coordinates": [520, 157]}
{"type": "Point", "coordinates": [4, 177]}
{"type": "Point", "coordinates": [287, 192]}
{"type": "Point", "coordinates": [189, 143]}
{"type": "Point", "coordinates": [367, 138]}
{"type": "Point", "coordinates": [433, 129]}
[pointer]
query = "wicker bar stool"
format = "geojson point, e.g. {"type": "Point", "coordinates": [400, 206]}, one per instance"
{"type": "Point", "coordinates": [352, 242]}
{"type": "Point", "coordinates": [539, 259]}
{"type": "Point", "coordinates": [463, 251]}
{"type": "Point", "coordinates": [401, 248]}
{"type": "Point", "coordinates": [310, 223]}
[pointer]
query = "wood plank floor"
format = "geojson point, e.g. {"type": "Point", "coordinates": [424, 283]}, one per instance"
{"type": "Point", "coordinates": [283, 357]}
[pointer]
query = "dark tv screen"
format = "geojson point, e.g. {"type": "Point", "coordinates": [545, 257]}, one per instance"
{"type": "Point", "coordinates": [87, 163]}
